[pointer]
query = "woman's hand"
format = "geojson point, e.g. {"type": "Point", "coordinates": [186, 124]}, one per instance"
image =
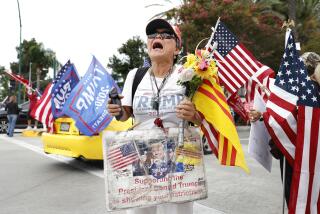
{"type": "Point", "coordinates": [254, 115]}
{"type": "Point", "coordinates": [114, 109]}
{"type": "Point", "coordinates": [186, 110]}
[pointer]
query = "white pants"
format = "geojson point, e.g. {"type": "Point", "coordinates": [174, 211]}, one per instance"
{"type": "Point", "coordinates": [172, 208]}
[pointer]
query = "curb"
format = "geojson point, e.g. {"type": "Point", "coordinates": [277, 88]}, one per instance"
{"type": "Point", "coordinates": [243, 128]}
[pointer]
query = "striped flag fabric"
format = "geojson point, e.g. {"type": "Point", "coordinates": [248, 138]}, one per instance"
{"type": "Point", "coordinates": [305, 186]}
{"type": "Point", "coordinates": [123, 155]}
{"type": "Point", "coordinates": [18, 78]}
{"type": "Point", "coordinates": [280, 117]}
{"type": "Point", "coordinates": [252, 86]}
{"type": "Point", "coordinates": [235, 102]}
{"type": "Point", "coordinates": [236, 64]}
{"type": "Point", "coordinates": [218, 125]}
{"type": "Point", "coordinates": [42, 110]}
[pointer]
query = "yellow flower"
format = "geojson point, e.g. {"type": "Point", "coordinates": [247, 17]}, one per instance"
{"type": "Point", "coordinates": [191, 61]}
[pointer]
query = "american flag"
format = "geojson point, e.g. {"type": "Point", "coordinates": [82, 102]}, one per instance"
{"type": "Point", "coordinates": [305, 186]}
{"type": "Point", "coordinates": [63, 84]}
{"type": "Point", "coordinates": [236, 64]}
{"type": "Point", "coordinates": [18, 78]}
{"type": "Point", "coordinates": [252, 86]}
{"type": "Point", "coordinates": [280, 118]}
{"type": "Point", "coordinates": [61, 72]}
{"type": "Point", "coordinates": [123, 155]}
{"type": "Point", "coordinates": [42, 110]}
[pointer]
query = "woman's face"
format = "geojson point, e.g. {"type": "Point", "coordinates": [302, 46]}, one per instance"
{"type": "Point", "coordinates": [160, 48]}
{"type": "Point", "coordinates": [316, 75]}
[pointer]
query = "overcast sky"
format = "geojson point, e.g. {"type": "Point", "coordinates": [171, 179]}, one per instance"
{"type": "Point", "coordinates": [75, 29]}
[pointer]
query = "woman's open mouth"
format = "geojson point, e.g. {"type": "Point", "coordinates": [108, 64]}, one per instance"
{"type": "Point", "coordinates": [157, 45]}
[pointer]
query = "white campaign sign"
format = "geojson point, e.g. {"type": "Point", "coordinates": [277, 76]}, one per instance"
{"type": "Point", "coordinates": [259, 138]}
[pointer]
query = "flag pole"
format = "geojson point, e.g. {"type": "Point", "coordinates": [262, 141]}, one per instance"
{"type": "Point", "coordinates": [30, 64]}
{"type": "Point", "coordinates": [283, 183]}
{"type": "Point", "coordinates": [284, 159]}
{"type": "Point", "coordinates": [212, 35]}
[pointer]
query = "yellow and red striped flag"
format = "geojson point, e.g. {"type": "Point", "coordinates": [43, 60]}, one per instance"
{"type": "Point", "coordinates": [218, 125]}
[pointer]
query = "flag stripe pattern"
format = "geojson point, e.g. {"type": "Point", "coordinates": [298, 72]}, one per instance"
{"type": "Point", "coordinates": [252, 86]}
{"type": "Point", "coordinates": [217, 124]}
{"type": "Point", "coordinates": [18, 78]}
{"type": "Point", "coordinates": [306, 178]}
{"type": "Point", "coordinates": [236, 64]}
{"type": "Point", "coordinates": [42, 110]}
{"type": "Point", "coordinates": [305, 186]}
{"type": "Point", "coordinates": [123, 155]}
{"type": "Point", "coordinates": [281, 107]}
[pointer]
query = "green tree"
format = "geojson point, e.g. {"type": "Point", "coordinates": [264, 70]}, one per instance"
{"type": "Point", "coordinates": [307, 23]}
{"type": "Point", "coordinates": [4, 84]}
{"type": "Point", "coordinates": [255, 25]}
{"type": "Point", "coordinates": [132, 53]}
{"type": "Point", "coordinates": [41, 60]}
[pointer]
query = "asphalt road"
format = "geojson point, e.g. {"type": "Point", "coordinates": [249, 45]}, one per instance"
{"type": "Point", "coordinates": [32, 182]}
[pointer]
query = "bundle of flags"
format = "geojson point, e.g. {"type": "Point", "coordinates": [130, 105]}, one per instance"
{"type": "Point", "coordinates": [84, 100]}
{"type": "Point", "coordinates": [46, 109]}
{"type": "Point", "coordinates": [88, 100]}
{"type": "Point", "coordinates": [236, 67]}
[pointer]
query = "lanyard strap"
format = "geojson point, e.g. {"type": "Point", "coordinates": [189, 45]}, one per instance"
{"type": "Point", "coordinates": [162, 83]}
{"type": "Point", "coordinates": [156, 99]}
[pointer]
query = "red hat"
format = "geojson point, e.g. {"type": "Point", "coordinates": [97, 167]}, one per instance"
{"type": "Point", "coordinates": [155, 24]}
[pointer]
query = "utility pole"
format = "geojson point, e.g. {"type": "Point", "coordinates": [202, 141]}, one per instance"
{"type": "Point", "coordinates": [19, 85]}
{"type": "Point", "coordinates": [292, 16]}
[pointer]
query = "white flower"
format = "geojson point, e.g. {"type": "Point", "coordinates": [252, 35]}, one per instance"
{"type": "Point", "coordinates": [186, 75]}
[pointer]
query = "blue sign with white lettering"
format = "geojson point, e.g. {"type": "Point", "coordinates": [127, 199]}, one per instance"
{"type": "Point", "coordinates": [87, 103]}
{"type": "Point", "coordinates": [63, 84]}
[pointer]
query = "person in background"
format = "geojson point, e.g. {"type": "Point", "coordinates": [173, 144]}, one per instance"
{"type": "Point", "coordinates": [150, 104]}
{"type": "Point", "coordinates": [12, 114]}
{"type": "Point", "coordinates": [312, 64]}
{"type": "Point", "coordinates": [32, 96]}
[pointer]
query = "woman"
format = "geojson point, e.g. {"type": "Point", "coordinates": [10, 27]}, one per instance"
{"type": "Point", "coordinates": [158, 97]}
{"type": "Point", "coordinates": [12, 114]}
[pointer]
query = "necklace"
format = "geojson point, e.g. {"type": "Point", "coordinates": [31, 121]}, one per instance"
{"type": "Point", "coordinates": [155, 101]}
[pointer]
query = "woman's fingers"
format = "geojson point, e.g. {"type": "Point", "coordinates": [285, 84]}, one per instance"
{"type": "Point", "coordinates": [186, 110]}
{"type": "Point", "coordinates": [114, 109]}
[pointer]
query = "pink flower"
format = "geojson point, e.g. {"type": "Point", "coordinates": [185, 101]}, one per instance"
{"type": "Point", "coordinates": [203, 65]}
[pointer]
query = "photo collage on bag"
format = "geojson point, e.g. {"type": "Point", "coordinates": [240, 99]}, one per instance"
{"type": "Point", "coordinates": [156, 158]}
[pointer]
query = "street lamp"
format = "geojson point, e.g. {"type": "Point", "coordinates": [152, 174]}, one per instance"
{"type": "Point", "coordinates": [19, 85]}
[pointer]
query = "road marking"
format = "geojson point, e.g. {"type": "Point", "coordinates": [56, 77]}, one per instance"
{"type": "Point", "coordinates": [66, 160]}
{"type": "Point", "coordinates": [198, 208]}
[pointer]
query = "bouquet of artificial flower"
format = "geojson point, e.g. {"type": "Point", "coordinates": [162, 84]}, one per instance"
{"type": "Point", "coordinates": [198, 66]}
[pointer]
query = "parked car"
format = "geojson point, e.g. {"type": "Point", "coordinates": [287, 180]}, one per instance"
{"type": "Point", "coordinates": [22, 121]}
{"type": "Point", "coordinates": [68, 141]}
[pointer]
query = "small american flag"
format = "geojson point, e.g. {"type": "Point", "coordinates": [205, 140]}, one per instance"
{"type": "Point", "coordinates": [236, 64]}
{"type": "Point", "coordinates": [42, 110]}
{"type": "Point", "coordinates": [123, 155]}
